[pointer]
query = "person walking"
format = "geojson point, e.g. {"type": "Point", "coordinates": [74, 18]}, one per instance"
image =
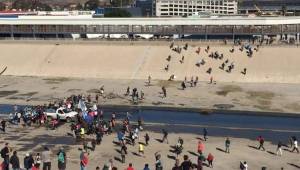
{"type": "Point", "coordinates": [196, 81]}
{"type": "Point", "coordinates": [295, 146]}
{"type": "Point", "coordinates": [183, 86]}
{"type": "Point", "coordinates": [83, 160]}
{"type": "Point", "coordinates": [28, 161]}
{"type": "Point", "coordinates": [165, 136]}
{"type": "Point", "coordinates": [227, 145]}
{"type": "Point", "coordinates": [210, 159]}
{"type": "Point", "coordinates": [46, 158]}
{"type": "Point", "coordinates": [261, 143]}
{"type": "Point", "coordinates": [243, 165]}
{"type": "Point", "coordinates": [3, 125]}
{"type": "Point", "coordinates": [130, 167]}
{"type": "Point", "coordinates": [200, 161]}
{"type": "Point", "coordinates": [147, 138]}
{"type": "Point", "coordinates": [186, 164]}
{"type": "Point", "coordinates": [141, 150]}
{"type": "Point", "coordinates": [38, 159]}
{"type": "Point", "coordinates": [61, 159]}
{"type": "Point", "coordinates": [5, 155]}
{"type": "Point", "coordinates": [164, 90]}
{"type": "Point", "coordinates": [205, 134]}
{"type": "Point", "coordinates": [211, 80]}
{"type": "Point", "coordinates": [279, 149]}
{"type": "Point", "coordinates": [14, 161]}
{"type": "Point", "coordinates": [158, 162]}
{"type": "Point", "coordinates": [176, 165]}
{"type": "Point", "coordinates": [146, 167]}
{"type": "Point", "coordinates": [149, 80]}
{"type": "Point", "coordinates": [123, 153]}
{"type": "Point", "coordinates": [200, 147]}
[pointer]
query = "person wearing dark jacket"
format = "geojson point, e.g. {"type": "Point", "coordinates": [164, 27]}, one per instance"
{"type": "Point", "coordinates": [14, 161]}
{"type": "Point", "coordinates": [28, 161]}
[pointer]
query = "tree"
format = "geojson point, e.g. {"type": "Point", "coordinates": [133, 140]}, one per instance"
{"type": "Point", "coordinates": [30, 4]}
{"type": "Point", "coordinates": [79, 6]}
{"type": "Point", "coordinates": [91, 5]}
{"type": "Point", "coordinates": [2, 6]}
{"type": "Point", "coordinates": [22, 4]}
{"type": "Point", "coordinates": [118, 13]}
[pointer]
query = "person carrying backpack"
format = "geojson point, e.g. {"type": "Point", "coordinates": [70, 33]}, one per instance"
{"type": "Point", "coordinates": [5, 155]}
{"type": "Point", "coordinates": [61, 160]}
{"type": "Point", "coordinates": [14, 161]}
{"type": "Point", "coordinates": [158, 162]}
{"type": "Point", "coordinates": [28, 161]}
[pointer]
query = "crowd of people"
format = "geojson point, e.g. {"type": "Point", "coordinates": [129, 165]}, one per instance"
{"type": "Point", "coordinates": [90, 126]}
{"type": "Point", "coordinates": [227, 66]}
{"type": "Point", "coordinates": [95, 126]}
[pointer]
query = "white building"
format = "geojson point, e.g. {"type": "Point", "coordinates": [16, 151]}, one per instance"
{"type": "Point", "coordinates": [189, 7]}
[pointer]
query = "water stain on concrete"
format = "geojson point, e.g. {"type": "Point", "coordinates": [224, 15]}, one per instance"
{"type": "Point", "coordinates": [57, 80]}
{"type": "Point", "coordinates": [225, 90]}
{"type": "Point", "coordinates": [93, 91]}
{"type": "Point", "coordinates": [73, 90]}
{"type": "Point", "coordinates": [7, 93]}
{"type": "Point", "coordinates": [223, 106]}
{"type": "Point", "coordinates": [264, 95]}
{"type": "Point", "coordinates": [29, 94]}
{"type": "Point", "coordinates": [166, 83]}
{"type": "Point", "coordinates": [4, 85]}
{"type": "Point", "coordinates": [293, 106]}
{"type": "Point", "coordinates": [263, 99]}
{"type": "Point", "coordinates": [113, 96]}
{"type": "Point", "coordinates": [161, 103]}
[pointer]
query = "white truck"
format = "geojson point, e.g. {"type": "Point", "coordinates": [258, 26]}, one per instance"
{"type": "Point", "coordinates": [62, 113]}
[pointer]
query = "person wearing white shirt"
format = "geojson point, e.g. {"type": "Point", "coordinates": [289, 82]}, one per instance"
{"type": "Point", "coordinates": [295, 146]}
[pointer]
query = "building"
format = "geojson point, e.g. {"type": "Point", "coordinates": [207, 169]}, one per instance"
{"type": "Point", "coordinates": [291, 7]}
{"type": "Point", "coordinates": [189, 7]}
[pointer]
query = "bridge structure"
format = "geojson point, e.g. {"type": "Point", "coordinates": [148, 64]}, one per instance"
{"type": "Point", "coordinates": [206, 27]}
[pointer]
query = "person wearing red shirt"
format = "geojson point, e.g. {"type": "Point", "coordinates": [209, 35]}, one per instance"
{"type": "Point", "coordinates": [130, 167]}
{"type": "Point", "coordinates": [210, 159]}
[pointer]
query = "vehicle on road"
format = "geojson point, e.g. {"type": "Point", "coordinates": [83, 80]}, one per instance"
{"type": "Point", "coordinates": [61, 113]}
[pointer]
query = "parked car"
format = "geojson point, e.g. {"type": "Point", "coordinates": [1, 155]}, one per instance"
{"type": "Point", "coordinates": [61, 113]}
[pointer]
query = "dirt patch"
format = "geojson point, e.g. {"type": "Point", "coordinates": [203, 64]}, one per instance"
{"type": "Point", "coordinates": [262, 98]}
{"type": "Point", "coordinates": [293, 106]}
{"type": "Point", "coordinates": [262, 107]}
{"type": "Point", "coordinates": [56, 80]}
{"type": "Point", "coordinates": [161, 103]}
{"type": "Point", "coordinates": [15, 98]}
{"type": "Point", "coordinates": [4, 85]}
{"type": "Point", "coordinates": [23, 96]}
{"type": "Point", "coordinates": [7, 93]}
{"type": "Point", "coordinates": [228, 89]}
{"type": "Point", "coordinates": [29, 94]}
{"type": "Point", "coordinates": [73, 90]}
{"type": "Point", "coordinates": [113, 96]}
{"type": "Point", "coordinates": [93, 91]}
{"type": "Point", "coordinates": [267, 108]}
{"type": "Point", "coordinates": [224, 106]}
{"type": "Point", "coordinates": [166, 83]}
{"type": "Point", "coordinates": [260, 95]}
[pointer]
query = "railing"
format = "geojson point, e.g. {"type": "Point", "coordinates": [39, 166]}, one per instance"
{"type": "Point", "coordinates": [155, 29]}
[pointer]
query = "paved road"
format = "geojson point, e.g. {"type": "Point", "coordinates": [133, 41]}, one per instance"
{"type": "Point", "coordinates": [273, 128]}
